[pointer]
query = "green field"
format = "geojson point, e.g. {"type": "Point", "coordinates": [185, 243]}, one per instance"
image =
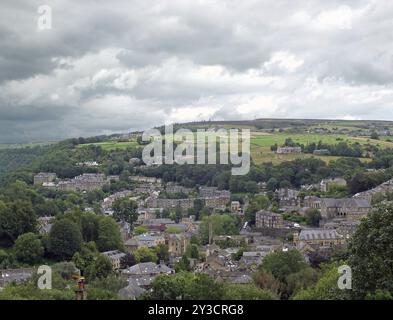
{"type": "Point", "coordinates": [111, 145]}
{"type": "Point", "coordinates": [267, 140]}
{"type": "Point", "coordinates": [261, 143]}
{"type": "Point", "coordinates": [264, 154]}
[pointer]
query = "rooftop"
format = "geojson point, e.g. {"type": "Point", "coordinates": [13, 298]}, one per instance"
{"type": "Point", "coordinates": [319, 234]}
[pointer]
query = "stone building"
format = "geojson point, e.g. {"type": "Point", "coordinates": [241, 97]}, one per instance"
{"type": "Point", "coordinates": [145, 179]}
{"type": "Point", "coordinates": [108, 201]}
{"type": "Point", "coordinates": [84, 182]}
{"type": "Point", "coordinates": [288, 150]}
{"type": "Point", "coordinates": [235, 206]}
{"type": "Point", "coordinates": [166, 203]}
{"type": "Point", "coordinates": [159, 224]}
{"type": "Point", "coordinates": [149, 240]}
{"type": "Point", "coordinates": [147, 268]}
{"type": "Point", "coordinates": [217, 201]}
{"type": "Point", "coordinates": [348, 208]}
{"type": "Point", "coordinates": [115, 257]}
{"type": "Point", "coordinates": [318, 238]}
{"type": "Point", "coordinates": [188, 203]}
{"type": "Point", "coordinates": [251, 258]}
{"type": "Point", "coordinates": [177, 244]}
{"type": "Point", "coordinates": [288, 198]}
{"type": "Point", "coordinates": [267, 219]}
{"type": "Point", "coordinates": [174, 188]}
{"type": "Point", "coordinates": [345, 228]}
{"type": "Point", "coordinates": [312, 202]}
{"type": "Point", "coordinates": [237, 240]}
{"type": "Point", "coordinates": [44, 177]}
{"type": "Point", "coordinates": [207, 192]}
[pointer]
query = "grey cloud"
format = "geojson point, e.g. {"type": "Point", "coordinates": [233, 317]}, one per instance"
{"type": "Point", "coordinates": [332, 64]}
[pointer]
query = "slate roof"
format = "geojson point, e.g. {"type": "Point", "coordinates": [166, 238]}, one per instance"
{"type": "Point", "coordinates": [148, 237]}
{"type": "Point", "coordinates": [345, 203]}
{"type": "Point", "coordinates": [319, 234]}
{"type": "Point", "coordinates": [148, 268]}
{"type": "Point", "coordinates": [131, 292]}
{"type": "Point", "coordinates": [268, 213]}
{"type": "Point", "coordinates": [243, 279]}
{"type": "Point", "coordinates": [114, 254]}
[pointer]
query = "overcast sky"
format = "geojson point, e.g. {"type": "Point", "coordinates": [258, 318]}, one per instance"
{"type": "Point", "coordinates": [117, 66]}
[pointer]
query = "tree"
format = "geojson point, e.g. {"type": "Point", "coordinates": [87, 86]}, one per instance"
{"type": "Point", "coordinates": [102, 267]}
{"type": "Point", "coordinates": [198, 206]}
{"type": "Point", "coordinates": [251, 187]}
{"type": "Point", "coordinates": [247, 292]}
{"type": "Point", "coordinates": [4, 259]}
{"type": "Point", "coordinates": [127, 261]}
{"type": "Point", "coordinates": [145, 254]}
{"type": "Point", "coordinates": [109, 237]}
{"type": "Point", "coordinates": [84, 259]}
{"type": "Point", "coordinates": [140, 230]}
{"type": "Point", "coordinates": [283, 263]}
{"type": "Point", "coordinates": [172, 229]}
{"type": "Point", "coordinates": [125, 210]}
{"type": "Point", "coordinates": [379, 295]}
{"type": "Point", "coordinates": [204, 287]}
{"type": "Point", "coordinates": [192, 251]}
{"type": "Point", "coordinates": [183, 264]}
{"type": "Point", "coordinates": [313, 216]}
{"type": "Point", "coordinates": [374, 135]}
{"type": "Point", "coordinates": [64, 239]}
{"type": "Point", "coordinates": [16, 218]}
{"type": "Point", "coordinates": [266, 281]}
{"type": "Point", "coordinates": [365, 181]}
{"type": "Point", "coordinates": [223, 224]}
{"type": "Point", "coordinates": [93, 264]}
{"type": "Point", "coordinates": [272, 184]}
{"type": "Point", "coordinates": [28, 248]}
{"type": "Point", "coordinates": [48, 208]}
{"type": "Point", "coordinates": [162, 252]}
{"type": "Point", "coordinates": [186, 286]}
{"type": "Point", "coordinates": [89, 225]}
{"type": "Point", "coordinates": [371, 253]}
{"type": "Point", "coordinates": [178, 214]}
{"type": "Point", "coordinates": [257, 203]}
{"type": "Point", "coordinates": [326, 288]}
{"type": "Point", "coordinates": [303, 279]}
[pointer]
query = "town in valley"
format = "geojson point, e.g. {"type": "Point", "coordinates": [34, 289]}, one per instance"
{"type": "Point", "coordinates": [112, 227]}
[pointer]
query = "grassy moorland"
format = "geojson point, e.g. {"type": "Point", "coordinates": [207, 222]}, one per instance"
{"type": "Point", "coordinates": [261, 143]}
{"type": "Point", "coordinates": [264, 155]}
{"type": "Point", "coordinates": [267, 140]}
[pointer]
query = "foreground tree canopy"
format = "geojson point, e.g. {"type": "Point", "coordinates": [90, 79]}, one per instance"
{"type": "Point", "coordinates": [371, 253]}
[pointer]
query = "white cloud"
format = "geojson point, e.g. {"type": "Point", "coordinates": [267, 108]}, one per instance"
{"type": "Point", "coordinates": [285, 61]}
{"type": "Point", "coordinates": [340, 18]}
